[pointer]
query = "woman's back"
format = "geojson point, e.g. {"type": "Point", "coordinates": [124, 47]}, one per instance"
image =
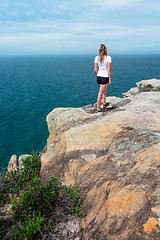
{"type": "Point", "coordinates": [103, 67]}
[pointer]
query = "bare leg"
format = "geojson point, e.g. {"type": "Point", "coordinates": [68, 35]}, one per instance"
{"type": "Point", "coordinates": [102, 91]}
{"type": "Point", "coordinates": [104, 94]}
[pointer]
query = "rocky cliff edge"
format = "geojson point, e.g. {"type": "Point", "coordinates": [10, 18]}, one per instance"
{"type": "Point", "coordinates": [114, 158]}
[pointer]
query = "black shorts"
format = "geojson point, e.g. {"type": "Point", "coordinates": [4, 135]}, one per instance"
{"type": "Point", "coordinates": [102, 80]}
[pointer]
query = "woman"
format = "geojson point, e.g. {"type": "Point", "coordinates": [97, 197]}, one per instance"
{"type": "Point", "coordinates": [103, 61]}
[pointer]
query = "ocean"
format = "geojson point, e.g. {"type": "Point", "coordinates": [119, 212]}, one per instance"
{"type": "Point", "coordinates": [32, 86]}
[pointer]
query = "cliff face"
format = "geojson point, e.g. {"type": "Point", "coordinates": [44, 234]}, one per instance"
{"type": "Point", "coordinates": [114, 158]}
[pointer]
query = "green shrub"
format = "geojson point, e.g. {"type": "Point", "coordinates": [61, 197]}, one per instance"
{"type": "Point", "coordinates": [2, 227]}
{"type": "Point", "coordinates": [73, 193]}
{"type": "Point", "coordinates": [31, 195]}
{"type": "Point", "coordinates": [29, 227]}
{"type": "Point", "coordinates": [3, 198]}
{"type": "Point", "coordinates": [44, 197]}
{"type": "Point", "coordinates": [31, 167]}
{"type": "Point", "coordinates": [39, 197]}
{"type": "Point", "coordinates": [17, 180]}
{"type": "Point", "coordinates": [149, 87]}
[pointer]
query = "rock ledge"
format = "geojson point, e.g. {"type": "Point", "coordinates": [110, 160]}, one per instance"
{"type": "Point", "coordinates": [114, 158]}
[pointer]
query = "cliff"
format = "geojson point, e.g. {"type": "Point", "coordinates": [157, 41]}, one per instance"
{"type": "Point", "coordinates": [114, 158]}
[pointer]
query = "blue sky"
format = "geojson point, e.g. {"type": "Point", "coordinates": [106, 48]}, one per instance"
{"type": "Point", "coordinates": [79, 26]}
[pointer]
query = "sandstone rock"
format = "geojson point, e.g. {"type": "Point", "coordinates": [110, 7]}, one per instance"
{"type": "Point", "coordinates": [12, 163]}
{"type": "Point", "coordinates": [20, 159]}
{"type": "Point", "coordinates": [118, 102]}
{"type": "Point", "coordinates": [16, 162]}
{"type": "Point", "coordinates": [143, 86]}
{"type": "Point", "coordinates": [155, 83]}
{"type": "Point", "coordinates": [151, 225]}
{"type": "Point", "coordinates": [114, 158]}
{"type": "Point", "coordinates": [131, 92]}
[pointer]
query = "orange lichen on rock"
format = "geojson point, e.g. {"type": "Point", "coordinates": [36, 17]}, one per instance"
{"type": "Point", "coordinates": [152, 224]}
{"type": "Point", "coordinates": [126, 205]}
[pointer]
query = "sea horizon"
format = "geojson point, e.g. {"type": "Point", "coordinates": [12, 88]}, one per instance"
{"type": "Point", "coordinates": [75, 54]}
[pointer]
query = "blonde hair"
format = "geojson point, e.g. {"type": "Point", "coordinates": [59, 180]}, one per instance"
{"type": "Point", "coordinates": [102, 52]}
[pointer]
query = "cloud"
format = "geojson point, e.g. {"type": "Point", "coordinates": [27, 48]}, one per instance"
{"type": "Point", "coordinates": [82, 32]}
{"type": "Point", "coordinates": [34, 10]}
{"type": "Point", "coordinates": [67, 23]}
{"type": "Point", "coordinates": [114, 4]}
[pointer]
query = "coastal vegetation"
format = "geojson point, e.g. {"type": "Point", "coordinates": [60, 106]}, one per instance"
{"type": "Point", "coordinates": [35, 206]}
{"type": "Point", "coordinates": [149, 87]}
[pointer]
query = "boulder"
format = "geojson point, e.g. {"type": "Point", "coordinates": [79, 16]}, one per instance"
{"type": "Point", "coordinates": [114, 158]}
{"type": "Point", "coordinates": [143, 86]}
{"type": "Point", "coordinates": [16, 162]}
{"type": "Point", "coordinates": [13, 163]}
{"type": "Point", "coordinates": [20, 159]}
{"type": "Point", "coordinates": [131, 92]}
{"type": "Point", "coordinates": [153, 83]}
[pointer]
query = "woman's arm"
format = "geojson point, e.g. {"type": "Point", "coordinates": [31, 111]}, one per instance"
{"type": "Point", "coordinates": [109, 72]}
{"type": "Point", "coordinates": [95, 68]}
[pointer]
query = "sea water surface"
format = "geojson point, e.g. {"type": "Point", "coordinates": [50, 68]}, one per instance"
{"type": "Point", "coordinates": [32, 86]}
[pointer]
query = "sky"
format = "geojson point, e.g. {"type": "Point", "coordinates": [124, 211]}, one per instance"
{"type": "Point", "coordinates": [79, 26]}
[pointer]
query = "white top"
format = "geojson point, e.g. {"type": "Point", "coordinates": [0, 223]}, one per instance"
{"type": "Point", "coordinates": [103, 67]}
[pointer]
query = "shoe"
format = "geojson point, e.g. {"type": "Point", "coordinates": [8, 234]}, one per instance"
{"type": "Point", "coordinates": [105, 105]}
{"type": "Point", "coordinates": [99, 110]}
